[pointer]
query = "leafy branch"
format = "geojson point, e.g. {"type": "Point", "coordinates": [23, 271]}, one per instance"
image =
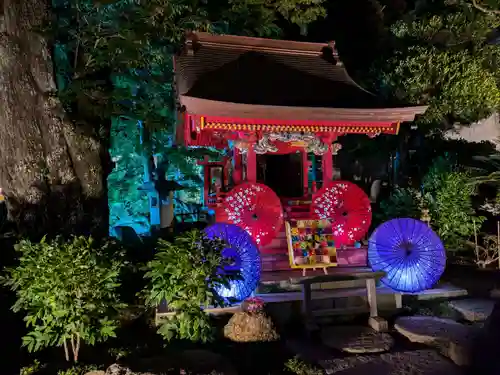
{"type": "Point", "coordinates": [68, 291]}
{"type": "Point", "coordinates": [186, 274]}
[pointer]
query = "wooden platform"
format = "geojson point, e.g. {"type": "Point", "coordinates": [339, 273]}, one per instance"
{"type": "Point", "coordinates": [290, 280]}
{"type": "Point", "coordinates": [286, 286]}
{"type": "Point", "coordinates": [443, 291]}
{"type": "Point", "coordinates": [295, 275]}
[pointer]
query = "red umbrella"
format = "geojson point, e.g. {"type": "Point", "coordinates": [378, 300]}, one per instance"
{"type": "Point", "coordinates": [255, 208]}
{"type": "Point", "coordinates": [347, 206]}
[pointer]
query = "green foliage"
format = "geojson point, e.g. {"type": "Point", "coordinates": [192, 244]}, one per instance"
{"type": "Point", "coordinates": [126, 202]}
{"type": "Point", "coordinates": [260, 17]}
{"type": "Point", "coordinates": [118, 67]}
{"type": "Point", "coordinates": [135, 42]}
{"type": "Point", "coordinates": [68, 291]}
{"type": "Point", "coordinates": [403, 202]}
{"type": "Point", "coordinates": [455, 85]}
{"type": "Point", "coordinates": [446, 192]}
{"type": "Point", "coordinates": [439, 57]}
{"type": "Point", "coordinates": [449, 201]}
{"type": "Point", "coordinates": [299, 367]}
{"type": "Point", "coordinates": [78, 370]}
{"type": "Point", "coordinates": [32, 369]}
{"type": "Point", "coordinates": [185, 273]}
{"type": "Point", "coordinates": [119, 353]}
{"type": "Point", "coordinates": [489, 170]}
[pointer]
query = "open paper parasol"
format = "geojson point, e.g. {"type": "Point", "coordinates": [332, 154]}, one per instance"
{"type": "Point", "coordinates": [348, 208]}
{"type": "Point", "coordinates": [255, 208]}
{"type": "Point", "coordinates": [409, 252]}
{"type": "Point", "coordinates": [244, 257]}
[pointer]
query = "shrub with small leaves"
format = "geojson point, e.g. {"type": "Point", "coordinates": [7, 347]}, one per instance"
{"type": "Point", "coordinates": [446, 191]}
{"type": "Point", "coordinates": [68, 291]}
{"type": "Point", "coordinates": [34, 368]}
{"type": "Point", "coordinates": [403, 202]}
{"type": "Point", "coordinates": [185, 274]}
{"type": "Point", "coordinates": [78, 370]}
{"type": "Point", "coordinates": [299, 367]}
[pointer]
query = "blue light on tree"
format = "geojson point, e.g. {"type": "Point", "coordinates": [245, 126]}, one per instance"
{"type": "Point", "coordinates": [244, 256]}
{"type": "Point", "coordinates": [409, 252]}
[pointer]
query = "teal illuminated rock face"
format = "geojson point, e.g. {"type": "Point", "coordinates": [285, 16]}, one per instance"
{"type": "Point", "coordinates": [128, 205]}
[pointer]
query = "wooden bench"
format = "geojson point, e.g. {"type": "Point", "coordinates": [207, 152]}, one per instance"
{"type": "Point", "coordinates": [377, 323]}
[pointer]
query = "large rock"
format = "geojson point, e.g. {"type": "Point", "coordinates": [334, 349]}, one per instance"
{"type": "Point", "coordinates": [356, 339]}
{"type": "Point", "coordinates": [495, 293]}
{"type": "Point", "coordinates": [473, 310]}
{"type": "Point", "coordinates": [486, 353]}
{"type": "Point", "coordinates": [250, 327]}
{"type": "Point", "coordinates": [193, 362]}
{"type": "Point", "coordinates": [418, 362]}
{"type": "Point", "coordinates": [454, 340]}
{"type": "Point", "coordinates": [116, 369]}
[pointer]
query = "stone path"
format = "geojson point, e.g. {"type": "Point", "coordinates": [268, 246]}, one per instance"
{"type": "Point", "coordinates": [473, 310]}
{"type": "Point", "coordinates": [356, 339]}
{"type": "Point", "coordinates": [402, 362]}
{"type": "Point", "coordinates": [452, 339]}
{"type": "Point", "coordinates": [418, 362]}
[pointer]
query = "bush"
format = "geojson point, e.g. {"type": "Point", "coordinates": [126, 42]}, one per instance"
{"type": "Point", "coordinates": [403, 202]}
{"type": "Point", "coordinates": [297, 366]}
{"type": "Point", "coordinates": [447, 193]}
{"type": "Point", "coordinates": [185, 273]}
{"type": "Point", "coordinates": [68, 290]}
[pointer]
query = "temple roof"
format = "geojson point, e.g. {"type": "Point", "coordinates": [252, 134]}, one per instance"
{"type": "Point", "coordinates": [272, 77]}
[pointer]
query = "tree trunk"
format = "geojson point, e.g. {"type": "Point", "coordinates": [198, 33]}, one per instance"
{"type": "Point", "coordinates": [50, 170]}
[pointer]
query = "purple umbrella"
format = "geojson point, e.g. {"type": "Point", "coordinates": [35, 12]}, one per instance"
{"type": "Point", "coordinates": [409, 252]}
{"type": "Point", "coordinates": [244, 256]}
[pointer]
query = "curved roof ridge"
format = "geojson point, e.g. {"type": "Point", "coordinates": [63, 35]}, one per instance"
{"type": "Point", "coordinates": [249, 43]}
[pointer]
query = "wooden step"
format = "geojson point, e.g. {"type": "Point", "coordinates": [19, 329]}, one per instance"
{"type": "Point", "coordinates": [281, 265]}
{"type": "Point", "coordinates": [276, 245]}
{"type": "Point", "coordinates": [278, 258]}
{"type": "Point", "coordinates": [270, 258]}
{"type": "Point", "coordinates": [281, 234]}
{"type": "Point", "coordinates": [275, 262]}
{"type": "Point", "coordinates": [299, 215]}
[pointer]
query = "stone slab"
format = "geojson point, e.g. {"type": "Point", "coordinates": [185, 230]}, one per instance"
{"type": "Point", "coordinates": [356, 339]}
{"type": "Point", "coordinates": [416, 362]}
{"type": "Point", "coordinates": [473, 310]}
{"type": "Point", "coordinates": [452, 339]}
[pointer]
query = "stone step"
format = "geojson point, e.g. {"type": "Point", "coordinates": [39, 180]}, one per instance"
{"type": "Point", "coordinates": [473, 310]}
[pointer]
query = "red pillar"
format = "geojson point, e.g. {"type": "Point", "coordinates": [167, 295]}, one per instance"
{"type": "Point", "coordinates": [327, 166]}
{"type": "Point", "coordinates": [251, 164]}
{"type": "Point", "coordinates": [237, 169]}
{"type": "Point", "coordinates": [305, 174]}
{"type": "Point", "coordinates": [206, 179]}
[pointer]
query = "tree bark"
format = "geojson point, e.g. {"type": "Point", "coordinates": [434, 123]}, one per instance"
{"type": "Point", "coordinates": [50, 170]}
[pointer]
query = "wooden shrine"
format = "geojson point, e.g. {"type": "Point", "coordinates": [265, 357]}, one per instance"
{"type": "Point", "coordinates": [277, 107]}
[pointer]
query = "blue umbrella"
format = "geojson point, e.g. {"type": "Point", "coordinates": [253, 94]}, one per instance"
{"type": "Point", "coordinates": [244, 256]}
{"type": "Point", "coordinates": [409, 252]}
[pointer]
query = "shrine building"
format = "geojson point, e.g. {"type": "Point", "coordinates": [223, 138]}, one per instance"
{"type": "Point", "coordinates": [279, 108]}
